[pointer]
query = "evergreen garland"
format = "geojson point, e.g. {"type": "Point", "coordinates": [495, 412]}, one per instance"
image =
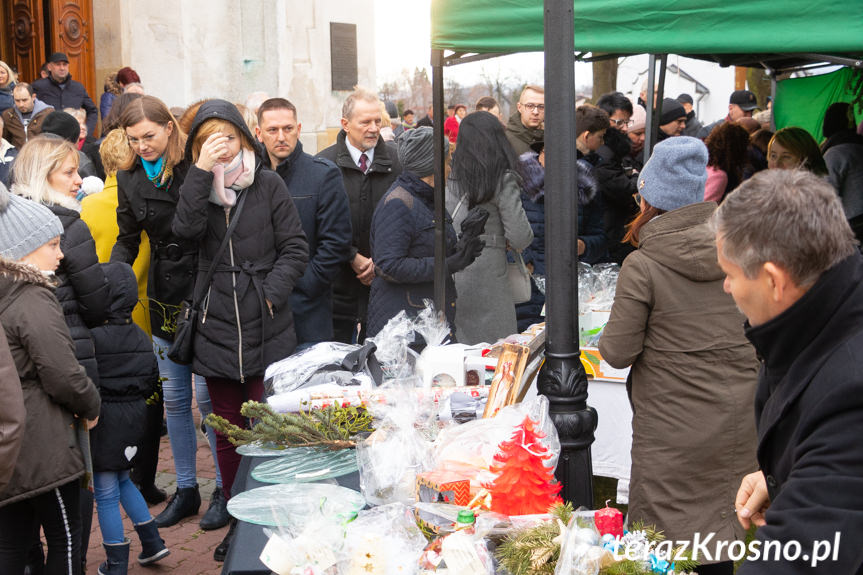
{"type": "Point", "coordinates": [333, 427]}
{"type": "Point", "coordinates": [536, 550]}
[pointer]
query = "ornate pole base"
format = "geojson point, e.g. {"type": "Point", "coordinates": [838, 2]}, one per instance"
{"type": "Point", "coordinates": [563, 381]}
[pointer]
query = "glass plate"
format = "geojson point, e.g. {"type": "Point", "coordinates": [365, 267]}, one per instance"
{"type": "Point", "coordinates": [290, 505]}
{"type": "Point", "coordinates": [258, 449]}
{"type": "Point", "coordinates": [305, 464]}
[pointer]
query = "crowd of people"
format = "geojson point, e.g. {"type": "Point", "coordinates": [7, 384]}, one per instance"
{"type": "Point", "coordinates": [216, 212]}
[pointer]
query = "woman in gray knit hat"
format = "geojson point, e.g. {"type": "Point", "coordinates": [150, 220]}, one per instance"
{"type": "Point", "coordinates": [693, 376]}
{"type": "Point", "coordinates": [44, 487]}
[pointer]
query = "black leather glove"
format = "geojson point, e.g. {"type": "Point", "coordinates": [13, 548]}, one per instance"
{"type": "Point", "coordinates": [467, 250]}
{"type": "Point", "coordinates": [473, 224]}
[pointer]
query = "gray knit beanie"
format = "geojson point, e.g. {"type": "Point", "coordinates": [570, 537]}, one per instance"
{"type": "Point", "coordinates": [416, 151]}
{"type": "Point", "coordinates": [24, 225]}
{"type": "Point", "coordinates": [675, 174]}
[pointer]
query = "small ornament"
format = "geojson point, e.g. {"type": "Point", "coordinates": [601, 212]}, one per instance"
{"type": "Point", "coordinates": [609, 520]}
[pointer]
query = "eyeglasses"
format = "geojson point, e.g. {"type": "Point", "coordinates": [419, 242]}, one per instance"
{"type": "Point", "coordinates": [637, 197]}
{"type": "Point", "coordinates": [621, 123]}
{"type": "Point", "coordinates": [532, 107]}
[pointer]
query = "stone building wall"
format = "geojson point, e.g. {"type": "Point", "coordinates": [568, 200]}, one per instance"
{"type": "Point", "coordinates": [193, 49]}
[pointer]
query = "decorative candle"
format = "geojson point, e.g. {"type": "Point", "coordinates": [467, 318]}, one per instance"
{"type": "Point", "coordinates": [609, 521]}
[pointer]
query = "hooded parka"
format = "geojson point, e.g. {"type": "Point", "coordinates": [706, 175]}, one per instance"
{"type": "Point", "coordinates": [56, 387]}
{"type": "Point", "coordinates": [692, 383]}
{"type": "Point", "coordinates": [237, 336]}
{"type": "Point", "coordinates": [128, 375]}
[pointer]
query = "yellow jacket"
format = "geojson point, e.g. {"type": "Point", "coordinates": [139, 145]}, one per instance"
{"type": "Point", "coordinates": [99, 212]}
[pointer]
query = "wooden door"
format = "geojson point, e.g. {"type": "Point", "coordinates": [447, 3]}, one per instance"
{"type": "Point", "coordinates": [34, 29]}
{"type": "Point", "coordinates": [71, 32]}
{"type": "Point", "coordinates": [24, 31]}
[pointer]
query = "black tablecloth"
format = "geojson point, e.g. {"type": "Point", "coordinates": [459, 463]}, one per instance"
{"type": "Point", "coordinates": [249, 539]}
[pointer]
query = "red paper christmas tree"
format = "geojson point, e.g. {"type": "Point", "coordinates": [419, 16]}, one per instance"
{"type": "Point", "coordinates": [524, 484]}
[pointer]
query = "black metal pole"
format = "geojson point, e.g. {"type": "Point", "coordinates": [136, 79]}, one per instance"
{"type": "Point", "coordinates": [440, 270]}
{"type": "Point", "coordinates": [650, 119]}
{"type": "Point", "coordinates": [562, 378]}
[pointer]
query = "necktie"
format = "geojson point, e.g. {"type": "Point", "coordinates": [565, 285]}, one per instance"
{"type": "Point", "coordinates": [364, 162]}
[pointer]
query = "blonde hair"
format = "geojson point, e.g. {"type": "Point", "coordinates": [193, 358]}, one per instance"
{"type": "Point", "coordinates": [115, 151]}
{"type": "Point", "coordinates": [386, 121]}
{"type": "Point", "coordinates": [39, 158]}
{"type": "Point", "coordinates": [210, 127]}
{"type": "Point", "coordinates": [13, 77]}
{"type": "Point", "coordinates": [79, 114]}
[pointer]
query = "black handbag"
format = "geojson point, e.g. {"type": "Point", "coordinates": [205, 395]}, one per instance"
{"type": "Point", "coordinates": [182, 350]}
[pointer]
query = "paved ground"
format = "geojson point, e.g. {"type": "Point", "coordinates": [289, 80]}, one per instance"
{"type": "Point", "coordinates": [191, 547]}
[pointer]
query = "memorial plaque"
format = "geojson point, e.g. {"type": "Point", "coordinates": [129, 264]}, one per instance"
{"type": "Point", "coordinates": [343, 55]}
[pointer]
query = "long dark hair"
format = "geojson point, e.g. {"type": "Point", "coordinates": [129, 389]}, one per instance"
{"type": "Point", "coordinates": [481, 156]}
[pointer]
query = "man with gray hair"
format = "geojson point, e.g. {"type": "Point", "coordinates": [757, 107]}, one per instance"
{"type": "Point", "coordinates": [793, 267]}
{"type": "Point", "coordinates": [369, 166]}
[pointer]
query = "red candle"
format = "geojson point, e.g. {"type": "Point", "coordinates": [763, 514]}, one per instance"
{"type": "Point", "coordinates": [609, 521]}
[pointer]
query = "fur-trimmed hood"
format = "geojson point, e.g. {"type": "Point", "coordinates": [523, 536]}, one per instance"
{"type": "Point", "coordinates": [54, 198]}
{"type": "Point", "coordinates": [14, 275]}
{"type": "Point", "coordinates": [587, 187]}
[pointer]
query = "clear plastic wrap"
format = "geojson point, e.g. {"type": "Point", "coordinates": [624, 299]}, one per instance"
{"type": "Point", "coordinates": [319, 364]}
{"type": "Point", "coordinates": [470, 448]}
{"type": "Point", "coordinates": [597, 286]}
{"type": "Point", "coordinates": [312, 549]}
{"type": "Point", "coordinates": [580, 553]}
{"type": "Point", "coordinates": [384, 540]}
{"type": "Point", "coordinates": [392, 345]}
{"type": "Point", "coordinates": [400, 446]}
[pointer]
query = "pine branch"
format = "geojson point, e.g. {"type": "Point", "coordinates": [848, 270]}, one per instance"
{"type": "Point", "coordinates": [332, 427]}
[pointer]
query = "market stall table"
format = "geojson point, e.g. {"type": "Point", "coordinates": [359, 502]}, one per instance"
{"type": "Point", "coordinates": [249, 539]}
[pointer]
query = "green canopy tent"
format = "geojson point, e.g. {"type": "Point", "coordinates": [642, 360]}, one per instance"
{"type": "Point", "coordinates": [791, 35]}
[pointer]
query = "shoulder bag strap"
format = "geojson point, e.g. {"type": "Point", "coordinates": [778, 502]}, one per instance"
{"type": "Point", "coordinates": [221, 251]}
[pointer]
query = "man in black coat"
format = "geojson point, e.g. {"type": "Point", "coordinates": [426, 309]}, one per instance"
{"type": "Point", "coordinates": [369, 167]}
{"type": "Point", "coordinates": [792, 265]}
{"type": "Point", "coordinates": [61, 91]}
{"type": "Point", "coordinates": [319, 195]}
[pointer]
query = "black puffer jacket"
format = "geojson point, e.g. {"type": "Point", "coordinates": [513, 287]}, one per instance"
{"type": "Point", "coordinates": [350, 297]}
{"type": "Point", "coordinates": [128, 375]}
{"type": "Point", "coordinates": [236, 336]}
{"type": "Point", "coordinates": [143, 207]}
{"type": "Point", "coordinates": [82, 288]}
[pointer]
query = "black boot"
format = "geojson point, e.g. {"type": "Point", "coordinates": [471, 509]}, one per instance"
{"type": "Point", "coordinates": [117, 562]}
{"type": "Point", "coordinates": [185, 502]}
{"type": "Point", "coordinates": [152, 546]}
{"type": "Point", "coordinates": [217, 515]}
{"type": "Point", "coordinates": [221, 550]}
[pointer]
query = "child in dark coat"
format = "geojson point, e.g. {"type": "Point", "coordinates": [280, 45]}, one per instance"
{"type": "Point", "coordinates": [128, 375]}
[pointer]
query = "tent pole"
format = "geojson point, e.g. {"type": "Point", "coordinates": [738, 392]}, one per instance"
{"type": "Point", "coordinates": [562, 378]}
{"type": "Point", "coordinates": [657, 112]}
{"type": "Point", "coordinates": [440, 271]}
{"type": "Point", "coordinates": [649, 137]}
{"type": "Point", "coordinates": [773, 99]}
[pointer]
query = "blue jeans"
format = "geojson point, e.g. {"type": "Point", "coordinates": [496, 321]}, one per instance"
{"type": "Point", "coordinates": [114, 488]}
{"type": "Point", "coordinates": [177, 391]}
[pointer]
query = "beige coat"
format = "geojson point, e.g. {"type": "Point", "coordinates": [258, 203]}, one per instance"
{"type": "Point", "coordinates": [692, 383]}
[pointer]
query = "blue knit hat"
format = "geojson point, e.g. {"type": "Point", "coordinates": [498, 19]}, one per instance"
{"type": "Point", "coordinates": [675, 174]}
